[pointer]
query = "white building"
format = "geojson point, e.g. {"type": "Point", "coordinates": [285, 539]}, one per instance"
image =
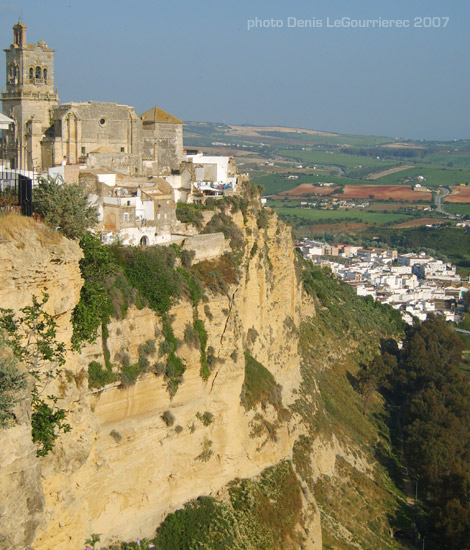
{"type": "Point", "coordinates": [216, 170]}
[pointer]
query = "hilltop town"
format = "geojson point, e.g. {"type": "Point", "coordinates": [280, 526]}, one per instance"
{"type": "Point", "coordinates": [416, 284]}
{"type": "Point", "coordinates": [133, 167]}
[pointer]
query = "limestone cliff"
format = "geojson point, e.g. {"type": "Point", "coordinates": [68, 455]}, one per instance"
{"type": "Point", "coordinates": [32, 260]}
{"type": "Point", "coordinates": [123, 467]}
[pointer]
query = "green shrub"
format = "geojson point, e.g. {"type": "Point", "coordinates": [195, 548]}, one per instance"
{"type": "Point", "coordinates": [95, 305]}
{"type": "Point", "coordinates": [116, 436]}
{"type": "Point", "coordinates": [204, 521]}
{"type": "Point", "coordinates": [159, 369]}
{"type": "Point", "coordinates": [143, 364]}
{"type": "Point", "coordinates": [190, 213]}
{"type": "Point", "coordinates": [64, 206]}
{"type": "Point", "coordinates": [12, 381]}
{"type": "Point", "coordinates": [174, 366]}
{"type": "Point", "coordinates": [152, 272]}
{"type": "Point", "coordinates": [222, 223]}
{"type": "Point", "coordinates": [219, 274]}
{"type": "Point", "coordinates": [148, 348]}
{"type": "Point", "coordinates": [262, 219]}
{"type": "Point", "coordinates": [168, 418]}
{"type": "Point", "coordinates": [99, 376]}
{"type": "Point", "coordinates": [31, 336]}
{"type": "Point", "coordinates": [191, 336]}
{"type": "Point", "coordinates": [128, 375]}
{"type": "Point", "coordinates": [200, 329]}
{"type": "Point", "coordinates": [207, 311]}
{"type": "Point", "coordinates": [206, 452]}
{"type": "Point", "coordinates": [123, 358]}
{"type": "Point", "coordinates": [193, 287]}
{"type": "Point", "coordinates": [187, 257]}
{"type": "Point", "coordinates": [206, 418]}
{"type": "Point", "coordinates": [259, 386]}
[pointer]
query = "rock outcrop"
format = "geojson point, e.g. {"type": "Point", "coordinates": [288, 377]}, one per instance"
{"type": "Point", "coordinates": [124, 466]}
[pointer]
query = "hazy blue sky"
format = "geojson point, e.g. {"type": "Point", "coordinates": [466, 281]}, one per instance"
{"type": "Point", "coordinates": [199, 61]}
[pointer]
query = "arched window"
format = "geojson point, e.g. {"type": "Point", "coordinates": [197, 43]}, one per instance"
{"type": "Point", "coordinates": [38, 72]}
{"type": "Point", "coordinates": [31, 74]}
{"type": "Point", "coordinates": [44, 74]}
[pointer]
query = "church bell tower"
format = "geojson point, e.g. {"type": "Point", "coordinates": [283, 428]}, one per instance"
{"type": "Point", "coordinates": [28, 99]}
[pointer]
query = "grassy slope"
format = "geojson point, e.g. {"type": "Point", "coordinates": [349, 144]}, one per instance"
{"type": "Point", "coordinates": [359, 510]}
{"type": "Point", "coordinates": [312, 214]}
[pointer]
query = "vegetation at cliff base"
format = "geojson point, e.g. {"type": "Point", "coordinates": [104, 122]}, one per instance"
{"type": "Point", "coordinates": [360, 501]}
{"type": "Point", "coordinates": [430, 399]}
{"type": "Point", "coordinates": [261, 513]}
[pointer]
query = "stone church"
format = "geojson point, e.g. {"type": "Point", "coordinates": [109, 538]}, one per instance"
{"type": "Point", "coordinates": [101, 135]}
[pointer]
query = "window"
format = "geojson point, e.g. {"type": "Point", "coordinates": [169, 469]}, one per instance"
{"type": "Point", "coordinates": [103, 122]}
{"type": "Point", "coordinates": [122, 149]}
{"type": "Point", "coordinates": [31, 74]}
{"type": "Point", "coordinates": [128, 203]}
{"type": "Point", "coordinates": [38, 72]}
{"type": "Point", "coordinates": [126, 216]}
{"type": "Point", "coordinates": [83, 150]}
{"type": "Point", "coordinates": [44, 75]}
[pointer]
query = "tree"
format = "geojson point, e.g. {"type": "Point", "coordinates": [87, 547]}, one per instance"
{"type": "Point", "coordinates": [64, 206]}
{"type": "Point", "coordinates": [31, 335]}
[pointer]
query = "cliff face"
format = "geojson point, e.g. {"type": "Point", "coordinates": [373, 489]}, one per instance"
{"type": "Point", "coordinates": [32, 261]}
{"type": "Point", "coordinates": [124, 466]}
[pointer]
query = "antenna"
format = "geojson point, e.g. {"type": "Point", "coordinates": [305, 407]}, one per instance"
{"type": "Point", "coordinates": [21, 15]}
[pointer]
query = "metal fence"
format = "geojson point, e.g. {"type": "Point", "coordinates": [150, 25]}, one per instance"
{"type": "Point", "coordinates": [15, 186]}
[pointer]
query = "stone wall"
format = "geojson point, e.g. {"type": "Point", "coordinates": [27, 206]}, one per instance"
{"type": "Point", "coordinates": [206, 247]}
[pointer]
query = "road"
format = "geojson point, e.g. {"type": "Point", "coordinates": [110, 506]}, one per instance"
{"type": "Point", "coordinates": [442, 192]}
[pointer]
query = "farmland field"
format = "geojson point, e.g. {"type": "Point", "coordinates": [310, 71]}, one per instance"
{"type": "Point", "coordinates": [276, 183]}
{"type": "Point", "coordinates": [311, 215]}
{"type": "Point", "coordinates": [462, 209]}
{"type": "Point", "coordinates": [433, 177]}
{"type": "Point", "coordinates": [335, 159]}
{"type": "Point", "coordinates": [459, 195]}
{"type": "Point", "coordinates": [384, 192]}
{"type": "Point", "coordinates": [309, 189]}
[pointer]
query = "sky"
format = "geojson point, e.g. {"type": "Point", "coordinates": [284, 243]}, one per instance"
{"type": "Point", "coordinates": [252, 62]}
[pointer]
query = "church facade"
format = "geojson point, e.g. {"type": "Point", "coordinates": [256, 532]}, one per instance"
{"type": "Point", "coordinates": [102, 135]}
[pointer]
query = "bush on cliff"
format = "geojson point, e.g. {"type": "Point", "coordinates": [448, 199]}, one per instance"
{"type": "Point", "coordinates": [64, 206]}
{"type": "Point", "coordinates": [95, 306]}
